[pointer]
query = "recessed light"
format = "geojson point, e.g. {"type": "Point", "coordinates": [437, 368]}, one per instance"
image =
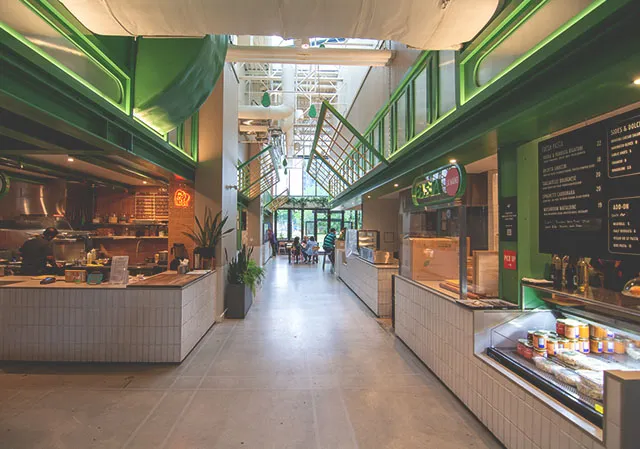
{"type": "Point", "coordinates": [368, 196]}
{"type": "Point", "coordinates": [636, 81]}
{"type": "Point", "coordinates": [452, 161]}
{"type": "Point", "coordinates": [144, 182]}
{"type": "Point", "coordinates": [70, 159]}
{"type": "Point", "coordinates": [396, 185]}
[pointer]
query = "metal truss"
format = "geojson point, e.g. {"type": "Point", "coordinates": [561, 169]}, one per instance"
{"type": "Point", "coordinates": [258, 174]}
{"type": "Point", "coordinates": [340, 155]}
{"type": "Point", "coordinates": [278, 201]}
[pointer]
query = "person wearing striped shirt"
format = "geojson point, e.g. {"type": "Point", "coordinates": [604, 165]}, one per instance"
{"type": "Point", "coordinates": [329, 244]}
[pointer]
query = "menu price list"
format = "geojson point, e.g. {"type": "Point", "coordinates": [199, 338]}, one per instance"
{"type": "Point", "coordinates": [624, 226]}
{"type": "Point", "coordinates": [624, 148]}
{"type": "Point", "coordinates": [571, 190]}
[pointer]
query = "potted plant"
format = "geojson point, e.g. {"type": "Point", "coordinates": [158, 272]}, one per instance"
{"type": "Point", "coordinates": [244, 277]}
{"type": "Point", "coordinates": [207, 235]}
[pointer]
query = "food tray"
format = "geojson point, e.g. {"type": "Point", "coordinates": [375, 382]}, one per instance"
{"type": "Point", "coordinates": [569, 396]}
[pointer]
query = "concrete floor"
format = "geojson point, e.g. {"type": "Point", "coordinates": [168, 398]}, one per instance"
{"type": "Point", "coordinates": [309, 368]}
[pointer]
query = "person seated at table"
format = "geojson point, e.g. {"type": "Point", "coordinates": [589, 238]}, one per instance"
{"type": "Point", "coordinates": [296, 249]}
{"type": "Point", "coordinates": [311, 250]}
{"type": "Point", "coordinates": [303, 250]}
{"type": "Point", "coordinates": [329, 244]}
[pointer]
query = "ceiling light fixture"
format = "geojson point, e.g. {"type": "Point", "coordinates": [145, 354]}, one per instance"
{"type": "Point", "coordinates": [70, 159]}
{"type": "Point", "coordinates": [144, 182]}
{"type": "Point", "coordinates": [636, 81]}
{"type": "Point", "coordinates": [396, 185]}
{"type": "Point", "coordinates": [452, 161]}
{"type": "Point", "coordinates": [368, 196]}
{"type": "Point", "coordinates": [305, 43]}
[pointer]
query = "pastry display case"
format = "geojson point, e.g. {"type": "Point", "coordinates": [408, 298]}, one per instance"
{"type": "Point", "coordinates": [368, 239]}
{"type": "Point", "coordinates": [563, 342]}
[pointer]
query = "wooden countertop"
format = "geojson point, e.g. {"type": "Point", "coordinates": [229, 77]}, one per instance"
{"type": "Point", "coordinates": [166, 279]}
{"type": "Point", "coordinates": [169, 279]}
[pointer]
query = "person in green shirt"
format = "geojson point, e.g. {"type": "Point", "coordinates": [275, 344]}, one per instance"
{"type": "Point", "coordinates": [329, 244]}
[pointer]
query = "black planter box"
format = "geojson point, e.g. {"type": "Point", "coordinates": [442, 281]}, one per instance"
{"type": "Point", "coordinates": [237, 300]}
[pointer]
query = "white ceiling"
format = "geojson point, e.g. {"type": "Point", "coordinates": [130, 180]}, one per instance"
{"type": "Point", "coordinates": [425, 24]}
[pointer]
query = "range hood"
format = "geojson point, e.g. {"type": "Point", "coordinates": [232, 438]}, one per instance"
{"type": "Point", "coordinates": [425, 24]}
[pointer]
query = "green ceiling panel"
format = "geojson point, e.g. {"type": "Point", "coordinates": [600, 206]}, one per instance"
{"type": "Point", "coordinates": [174, 77]}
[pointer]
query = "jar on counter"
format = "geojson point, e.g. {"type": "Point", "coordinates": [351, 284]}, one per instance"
{"type": "Point", "coordinates": [525, 349]}
{"type": "Point", "coordinates": [609, 346]}
{"type": "Point", "coordinates": [540, 340]}
{"type": "Point", "coordinates": [539, 352]}
{"type": "Point", "coordinates": [620, 345]}
{"type": "Point", "coordinates": [530, 336]}
{"type": "Point", "coordinates": [583, 346]}
{"type": "Point", "coordinates": [583, 331]}
{"type": "Point", "coordinates": [553, 345]}
{"type": "Point", "coordinates": [571, 344]}
{"type": "Point", "coordinates": [572, 329]}
{"type": "Point", "coordinates": [596, 345]}
{"type": "Point", "coordinates": [560, 323]}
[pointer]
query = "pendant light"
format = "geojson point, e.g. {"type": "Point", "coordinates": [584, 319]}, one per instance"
{"type": "Point", "coordinates": [312, 111]}
{"type": "Point", "coordinates": [266, 99]}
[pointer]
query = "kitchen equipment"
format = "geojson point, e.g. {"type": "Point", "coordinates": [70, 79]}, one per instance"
{"type": "Point", "coordinates": [163, 257]}
{"type": "Point", "coordinates": [179, 251]}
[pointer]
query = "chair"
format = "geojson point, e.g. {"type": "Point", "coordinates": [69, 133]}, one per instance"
{"type": "Point", "coordinates": [282, 248]}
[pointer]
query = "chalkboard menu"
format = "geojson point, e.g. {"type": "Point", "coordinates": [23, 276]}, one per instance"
{"type": "Point", "coordinates": [589, 190]}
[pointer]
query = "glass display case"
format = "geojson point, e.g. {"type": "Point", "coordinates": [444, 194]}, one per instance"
{"type": "Point", "coordinates": [448, 249]}
{"type": "Point", "coordinates": [368, 239]}
{"type": "Point", "coordinates": [563, 342]}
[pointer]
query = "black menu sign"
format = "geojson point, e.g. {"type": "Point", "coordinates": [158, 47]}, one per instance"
{"type": "Point", "coordinates": [509, 219]}
{"type": "Point", "coordinates": [589, 184]}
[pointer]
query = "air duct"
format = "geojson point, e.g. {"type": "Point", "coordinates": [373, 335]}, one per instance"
{"type": "Point", "coordinates": [261, 113]}
{"type": "Point", "coordinates": [427, 24]}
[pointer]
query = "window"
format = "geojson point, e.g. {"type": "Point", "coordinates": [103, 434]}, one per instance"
{"type": "Point", "coordinates": [401, 120]}
{"type": "Point", "coordinates": [446, 82]}
{"type": "Point", "coordinates": [295, 181]}
{"type": "Point", "coordinates": [282, 224]}
{"type": "Point", "coordinates": [308, 184]}
{"type": "Point", "coordinates": [421, 100]}
{"type": "Point", "coordinates": [296, 223]}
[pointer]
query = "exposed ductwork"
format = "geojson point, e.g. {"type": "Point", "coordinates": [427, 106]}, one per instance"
{"type": "Point", "coordinates": [261, 113]}
{"type": "Point", "coordinates": [427, 24]}
{"type": "Point", "coordinates": [253, 129]}
{"type": "Point", "coordinates": [320, 56]}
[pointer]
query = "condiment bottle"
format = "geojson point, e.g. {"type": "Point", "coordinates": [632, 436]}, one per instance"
{"type": "Point", "coordinates": [556, 271]}
{"type": "Point", "coordinates": [583, 274]}
{"type": "Point", "coordinates": [570, 274]}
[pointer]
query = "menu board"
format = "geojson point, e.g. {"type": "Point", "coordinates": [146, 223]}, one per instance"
{"type": "Point", "coordinates": [588, 185]}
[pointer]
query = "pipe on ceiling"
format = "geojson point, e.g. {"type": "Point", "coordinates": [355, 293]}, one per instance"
{"type": "Point", "coordinates": [425, 24]}
{"type": "Point", "coordinates": [320, 56]}
{"type": "Point", "coordinates": [253, 128]}
{"type": "Point", "coordinates": [261, 113]}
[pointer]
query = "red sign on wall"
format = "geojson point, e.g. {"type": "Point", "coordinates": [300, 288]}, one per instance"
{"type": "Point", "coordinates": [509, 260]}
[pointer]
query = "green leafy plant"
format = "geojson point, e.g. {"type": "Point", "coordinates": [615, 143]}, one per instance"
{"type": "Point", "coordinates": [207, 235]}
{"type": "Point", "coordinates": [244, 270]}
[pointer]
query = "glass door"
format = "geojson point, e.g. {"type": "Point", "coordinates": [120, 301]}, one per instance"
{"type": "Point", "coordinates": [310, 223]}
{"type": "Point", "coordinates": [296, 223]}
{"type": "Point", "coordinates": [282, 224]}
{"type": "Point", "coordinates": [322, 225]}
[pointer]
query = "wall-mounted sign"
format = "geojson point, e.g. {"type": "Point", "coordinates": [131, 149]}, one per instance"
{"type": "Point", "coordinates": [181, 198]}
{"type": "Point", "coordinates": [509, 259]}
{"type": "Point", "coordinates": [509, 219]}
{"type": "Point", "coordinates": [588, 187]}
{"type": "Point", "coordinates": [4, 184]}
{"type": "Point", "coordinates": [439, 186]}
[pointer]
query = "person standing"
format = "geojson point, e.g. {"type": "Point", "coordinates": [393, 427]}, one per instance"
{"type": "Point", "coordinates": [37, 252]}
{"type": "Point", "coordinates": [271, 238]}
{"type": "Point", "coordinates": [329, 244]}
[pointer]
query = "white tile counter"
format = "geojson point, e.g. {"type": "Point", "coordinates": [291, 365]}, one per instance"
{"type": "Point", "coordinates": [371, 283]}
{"type": "Point", "coordinates": [104, 323]}
{"type": "Point", "coordinates": [450, 339]}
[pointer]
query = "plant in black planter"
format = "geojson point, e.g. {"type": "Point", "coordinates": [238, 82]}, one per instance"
{"type": "Point", "coordinates": [207, 235]}
{"type": "Point", "coordinates": [244, 277]}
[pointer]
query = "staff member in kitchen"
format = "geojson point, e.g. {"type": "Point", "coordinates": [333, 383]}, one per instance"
{"type": "Point", "coordinates": [37, 253]}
